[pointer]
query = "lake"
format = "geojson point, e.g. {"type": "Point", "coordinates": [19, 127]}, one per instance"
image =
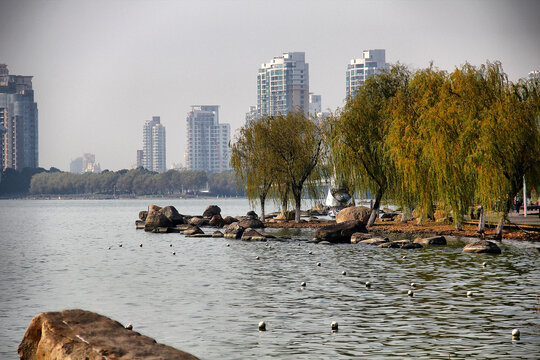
{"type": "Point", "coordinates": [209, 297]}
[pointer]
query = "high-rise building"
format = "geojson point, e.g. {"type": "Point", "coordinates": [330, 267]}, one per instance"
{"type": "Point", "coordinates": [140, 158]}
{"type": "Point", "coordinates": [207, 140]}
{"type": "Point", "coordinates": [358, 70]}
{"type": "Point", "coordinates": [76, 166]}
{"type": "Point", "coordinates": [251, 114]}
{"type": "Point", "coordinates": [154, 148]}
{"type": "Point", "coordinates": [19, 116]}
{"type": "Point", "coordinates": [89, 163]}
{"type": "Point", "coordinates": [283, 85]}
{"type": "Point", "coordinates": [535, 74]}
{"type": "Point", "coordinates": [314, 104]}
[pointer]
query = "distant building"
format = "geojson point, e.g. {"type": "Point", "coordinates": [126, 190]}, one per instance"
{"type": "Point", "coordinates": [358, 70]}
{"type": "Point", "coordinates": [3, 130]}
{"type": "Point", "coordinates": [76, 166]}
{"type": "Point", "coordinates": [140, 158]}
{"type": "Point", "coordinates": [207, 140]}
{"type": "Point", "coordinates": [251, 114]}
{"type": "Point", "coordinates": [314, 104]}
{"type": "Point", "coordinates": [154, 145]}
{"type": "Point", "coordinates": [535, 74]}
{"type": "Point", "coordinates": [89, 163]}
{"type": "Point", "coordinates": [19, 117]}
{"type": "Point", "coordinates": [283, 85]}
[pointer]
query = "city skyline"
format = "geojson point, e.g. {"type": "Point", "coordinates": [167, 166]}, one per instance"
{"type": "Point", "coordinates": [100, 67]}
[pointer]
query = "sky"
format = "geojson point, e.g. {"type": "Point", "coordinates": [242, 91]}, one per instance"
{"type": "Point", "coordinates": [103, 67]}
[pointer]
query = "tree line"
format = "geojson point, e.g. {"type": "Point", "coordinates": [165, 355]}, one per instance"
{"type": "Point", "coordinates": [422, 139]}
{"type": "Point", "coordinates": [130, 182]}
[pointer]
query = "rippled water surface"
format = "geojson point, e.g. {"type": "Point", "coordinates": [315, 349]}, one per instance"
{"type": "Point", "coordinates": [209, 297]}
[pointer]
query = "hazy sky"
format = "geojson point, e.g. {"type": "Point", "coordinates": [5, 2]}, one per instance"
{"type": "Point", "coordinates": [103, 67]}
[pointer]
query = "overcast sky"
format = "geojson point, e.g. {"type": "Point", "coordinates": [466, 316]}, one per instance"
{"type": "Point", "coordinates": [103, 67]}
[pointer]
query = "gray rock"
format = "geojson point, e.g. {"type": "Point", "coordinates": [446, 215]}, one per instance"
{"type": "Point", "coordinates": [434, 240]}
{"type": "Point", "coordinates": [192, 230]}
{"type": "Point", "coordinates": [229, 220]}
{"type": "Point", "coordinates": [339, 233]}
{"type": "Point", "coordinates": [211, 211]}
{"type": "Point", "coordinates": [251, 223]}
{"type": "Point", "coordinates": [482, 247]}
{"type": "Point", "coordinates": [373, 241]}
{"type": "Point", "coordinates": [359, 236]}
{"type": "Point", "coordinates": [252, 214]}
{"type": "Point", "coordinates": [198, 221]}
{"type": "Point", "coordinates": [172, 215]}
{"type": "Point", "coordinates": [234, 231]}
{"type": "Point", "coordinates": [216, 221]}
{"type": "Point", "coordinates": [252, 235]}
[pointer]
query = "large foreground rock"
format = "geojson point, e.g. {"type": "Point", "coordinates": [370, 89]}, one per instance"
{"type": "Point", "coordinates": [482, 247]}
{"type": "Point", "coordinates": [339, 233]}
{"type": "Point", "coordinates": [155, 219]}
{"type": "Point", "coordinates": [80, 334]}
{"type": "Point", "coordinates": [356, 213]}
{"type": "Point", "coordinates": [252, 235]}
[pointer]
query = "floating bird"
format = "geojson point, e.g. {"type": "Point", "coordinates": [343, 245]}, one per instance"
{"type": "Point", "coordinates": [368, 284]}
{"type": "Point", "coordinates": [469, 293]}
{"type": "Point", "coordinates": [318, 264]}
{"type": "Point", "coordinates": [303, 284]}
{"type": "Point", "coordinates": [413, 284]}
{"type": "Point", "coordinates": [334, 325]}
{"type": "Point", "coordinates": [262, 326]}
{"type": "Point", "coordinates": [515, 334]}
{"type": "Point", "coordinates": [129, 327]}
{"type": "Point", "coordinates": [410, 293]}
{"type": "Point", "coordinates": [343, 273]}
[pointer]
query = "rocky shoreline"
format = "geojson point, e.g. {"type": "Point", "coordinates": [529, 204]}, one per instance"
{"type": "Point", "coordinates": [349, 227]}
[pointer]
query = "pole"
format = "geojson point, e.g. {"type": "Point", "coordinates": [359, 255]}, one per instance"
{"type": "Point", "coordinates": [524, 198]}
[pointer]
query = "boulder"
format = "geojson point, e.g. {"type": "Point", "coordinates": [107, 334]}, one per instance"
{"type": "Point", "coordinates": [217, 234]}
{"type": "Point", "coordinates": [234, 231]}
{"type": "Point", "coordinates": [400, 244]}
{"type": "Point", "coordinates": [143, 214]}
{"type": "Point", "coordinates": [229, 220]}
{"type": "Point", "coordinates": [251, 223]}
{"type": "Point", "coordinates": [155, 219]}
{"type": "Point", "coordinates": [173, 215]}
{"type": "Point", "coordinates": [216, 221]}
{"type": "Point", "coordinates": [339, 233]}
{"type": "Point", "coordinates": [139, 224]}
{"type": "Point", "coordinates": [252, 235]}
{"type": "Point", "coordinates": [359, 236]}
{"type": "Point", "coordinates": [192, 230]}
{"type": "Point", "coordinates": [80, 334]}
{"type": "Point", "coordinates": [376, 241]}
{"type": "Point", "coordinates": [434, 240]}
{"type": "Point", "coordinates": [356, 213]}
{"type": "Point", "coordinates": [252, 214]}
{"type": "Point", "coordinates": [197, 221]}
{"type": "Point", "coordinates": [211, 211]}
{"type": "Point", "coordinates": [482, 247]}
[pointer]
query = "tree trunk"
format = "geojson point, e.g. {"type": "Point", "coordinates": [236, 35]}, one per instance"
{"type": "Point", "coordinates": [405, 215]}
{"type": "Point", "coordinates": [500, 226]}
{"type": "Point", "coordinates": [375, 210]}
{"type": "Point", "coordinates": [263, 200]}
{"type": "Point", "coordinates": [297, 203]}
{"type": "Point", "coordinates": [481, 221]}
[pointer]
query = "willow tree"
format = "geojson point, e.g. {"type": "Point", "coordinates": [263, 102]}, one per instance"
{"type": "Point", "coordinates": [358, 136]}
{"type": "Point", "coordinates": [295, 144]}
{"type": "Point", "coordinates": [509, 140]}
{"type": "Point", "coordinates": [415, 181]}
{"type": "Point", "coordinates": [252, 161]}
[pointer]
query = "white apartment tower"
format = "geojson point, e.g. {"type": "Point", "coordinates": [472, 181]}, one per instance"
{"type": "Point", "coordinates": [207, 140]}
{"type": "Point", "coordinates": [154, 149]}
{"type": "Point", "coordinates": [358, 70]}
{"type": "Point", "coordinates": [283, 85]}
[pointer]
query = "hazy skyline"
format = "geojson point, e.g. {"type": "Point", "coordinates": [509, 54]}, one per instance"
{"type": "Point", "coordinates": [102, 68]}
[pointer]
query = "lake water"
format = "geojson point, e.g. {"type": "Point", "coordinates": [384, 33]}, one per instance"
{"type": "Point", "coordinates": [209, 297]}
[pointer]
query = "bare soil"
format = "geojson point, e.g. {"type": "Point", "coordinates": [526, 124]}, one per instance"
{"type": "Point", "coordinates": [427, 228]}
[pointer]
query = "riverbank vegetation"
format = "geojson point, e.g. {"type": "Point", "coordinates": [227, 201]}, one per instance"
{"type": "Point", "coordinates": [424, 140]}
{"type": "Point", "coordinates": [135, 182]}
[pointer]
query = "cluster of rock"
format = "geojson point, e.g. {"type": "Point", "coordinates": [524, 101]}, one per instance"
{"type": "Point", "coordinates": [167, 219]}
{"type": "Point", "coordinates": [80, 334]}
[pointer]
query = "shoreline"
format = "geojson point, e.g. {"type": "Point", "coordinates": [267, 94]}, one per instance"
{"type": "Point", "coordinates": [429, 228]}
